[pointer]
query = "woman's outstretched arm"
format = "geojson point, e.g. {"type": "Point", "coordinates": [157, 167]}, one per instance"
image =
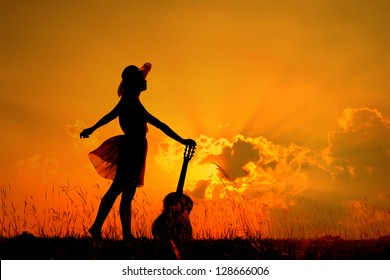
{"type": "Point", "coordinates": [168, 131]}
{"type": "Point", "coordinates": [105, 120]}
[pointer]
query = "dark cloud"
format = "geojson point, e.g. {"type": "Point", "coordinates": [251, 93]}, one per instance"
{"type": "Point", "coordinates": [234, 158]}
{"type": "Point", "coordinates": [356, 164]}
{"type": "Point", "coordinates": [360, 149]}
{"type": "Point", "coordinates": [199, 190]}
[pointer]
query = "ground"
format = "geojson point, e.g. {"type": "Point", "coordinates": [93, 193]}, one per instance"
{"type": "Point", "coordinates": [28, 247]}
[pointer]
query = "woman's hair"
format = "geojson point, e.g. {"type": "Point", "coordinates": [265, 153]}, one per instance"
{"type": "Point", "coordinates": [132, 73]}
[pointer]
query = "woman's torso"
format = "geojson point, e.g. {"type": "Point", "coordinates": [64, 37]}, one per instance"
{"type": "Point", "coordinates": [132, 117]}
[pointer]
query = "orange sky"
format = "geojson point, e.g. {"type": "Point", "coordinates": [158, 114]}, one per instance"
{"type": "Point", "coordinates": [291, 98]}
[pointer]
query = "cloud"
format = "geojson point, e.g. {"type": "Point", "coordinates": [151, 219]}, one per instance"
{"type": "Point", "coordinates": [74, 130]}
{"type": "Point", "coordinates": [200, 188]}
{"type": "Point", "coordinates": [362, 118]}
{"type": "Point", "coordinates": [361, 146]}
{"type": "Point", "coordinates": [253, 167]}
{"type": "Point", "coordinates": [169, 154]}
{"type": "Point", "coordinates": [354, 165]}
{"type": "Point", "coordinates": [234, 156]}
{"type": "Point", "coordinates": [37, 167]}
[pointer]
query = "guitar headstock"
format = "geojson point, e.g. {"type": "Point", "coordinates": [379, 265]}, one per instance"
{"type": "Point", "coordinates": [189, 152]}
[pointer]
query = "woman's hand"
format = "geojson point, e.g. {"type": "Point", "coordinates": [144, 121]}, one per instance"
{"type": "Point", "coordinates": [189, 142]}
{"type": "Point", "coordinates": [86, 132]}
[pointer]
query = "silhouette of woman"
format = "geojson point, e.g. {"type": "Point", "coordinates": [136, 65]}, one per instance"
{"type": "Point", "coordinates": [122, 158]}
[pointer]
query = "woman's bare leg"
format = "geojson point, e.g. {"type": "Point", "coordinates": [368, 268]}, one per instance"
{"type": "Point", "coordinates": [125, 210]}
{"type": "Point", "coordinates": [104, 209]}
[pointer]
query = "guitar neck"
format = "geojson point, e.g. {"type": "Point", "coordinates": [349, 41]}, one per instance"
{"type": "Point", "coordinates": [183, 172]}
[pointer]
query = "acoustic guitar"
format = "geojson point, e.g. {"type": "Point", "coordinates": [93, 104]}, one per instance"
{"type": "Point", "coordinates": [173, 224]}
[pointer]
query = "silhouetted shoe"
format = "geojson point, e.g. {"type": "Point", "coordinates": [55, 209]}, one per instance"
{"type": "Point", "coordinates": [96, 234]}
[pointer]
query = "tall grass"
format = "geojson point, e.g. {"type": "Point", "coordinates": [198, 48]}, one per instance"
{"type": "Point", "coordinates": [69, 211]}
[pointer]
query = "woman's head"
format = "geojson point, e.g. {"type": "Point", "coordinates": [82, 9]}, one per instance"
{"type": "Point", "coordinates": [133, 79]}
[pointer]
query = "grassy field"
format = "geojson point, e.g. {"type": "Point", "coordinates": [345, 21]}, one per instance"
{"type": "Point", "coordinates": [56, 228]}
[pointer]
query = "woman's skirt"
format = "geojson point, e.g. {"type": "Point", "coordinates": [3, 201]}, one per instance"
{"type": "Point", "coordinates": [124, 151]}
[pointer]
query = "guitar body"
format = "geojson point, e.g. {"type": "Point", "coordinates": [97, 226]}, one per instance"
{"type": "Point", "coordinates": [173, 225]}
{"type": "Point", "coordinates": [174, 222]}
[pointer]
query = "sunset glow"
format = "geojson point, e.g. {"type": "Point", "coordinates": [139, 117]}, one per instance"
{"type": "Point", "coordinates": [288, 102]}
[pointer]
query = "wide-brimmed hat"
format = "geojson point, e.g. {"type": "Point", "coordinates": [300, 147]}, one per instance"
{"type": "Point", "coordinates": [132, 71]}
